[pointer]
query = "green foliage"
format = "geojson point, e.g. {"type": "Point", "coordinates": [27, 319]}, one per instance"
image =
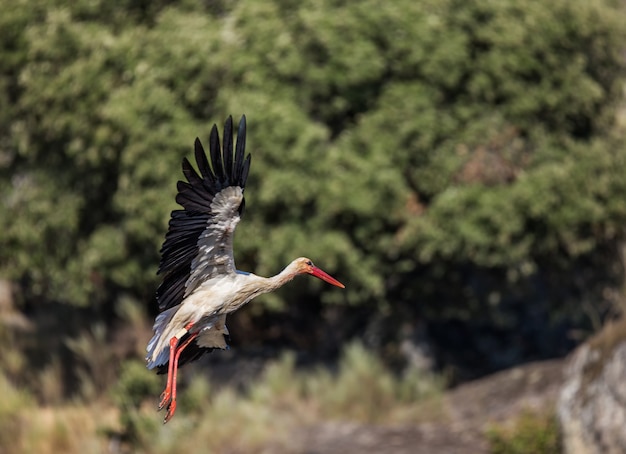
{"type": "Point", "coordinates": [532, 432]}
{"type": "Point", "coordinates": [416, 149]}
{"type": "Point", "coordinates": [136, 384]}
{"type": "Point", "coordinates": [196, 395]}
{"type": "Point", "coordinates": [362, 389]}
{"type": "Point", "coordinates": [95, 363]}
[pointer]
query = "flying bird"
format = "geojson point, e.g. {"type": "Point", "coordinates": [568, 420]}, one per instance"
{"type": "Point", "coordinates": [200, 284]}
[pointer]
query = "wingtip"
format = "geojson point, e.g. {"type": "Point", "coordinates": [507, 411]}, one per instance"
{"type": "Point", "coordinates": [241, 131]}
{"type": "Point", "coordinates": [197, 147]}
{"type": "Point", "coordinates": [229, 123]}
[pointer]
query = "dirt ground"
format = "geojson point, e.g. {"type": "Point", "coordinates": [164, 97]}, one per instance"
{"type": "Point", "coordinates": [470, 409]}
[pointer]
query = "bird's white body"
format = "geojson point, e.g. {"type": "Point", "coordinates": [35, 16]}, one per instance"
{"type": "Point", "coordinates": [206, 309]}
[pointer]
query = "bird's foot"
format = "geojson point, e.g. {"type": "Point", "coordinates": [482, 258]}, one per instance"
{"type": "Point", "coordinates": [171, 409]}
{"type": "Point", "coordinates": [166, 397]}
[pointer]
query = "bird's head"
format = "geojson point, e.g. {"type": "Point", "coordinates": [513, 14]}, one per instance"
{"type": "Point", "coordinates": [305, 265]}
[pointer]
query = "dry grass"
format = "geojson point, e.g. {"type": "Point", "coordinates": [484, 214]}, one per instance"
{"type": "Point", "coordinates": [68, 428]}
{"type": "Point", "coordinates": [261, 419]}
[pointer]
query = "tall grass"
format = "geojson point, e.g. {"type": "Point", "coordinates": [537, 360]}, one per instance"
{"type": "Point", "coordinates": [362, 389]}
{"type": "Point", "coordinates": [13, 406]}
{"type": "Point", "coordinates": [261, 418]}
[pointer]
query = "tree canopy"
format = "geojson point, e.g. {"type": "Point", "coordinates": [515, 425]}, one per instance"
{"type": "Point", "coordinates": [445, 159]}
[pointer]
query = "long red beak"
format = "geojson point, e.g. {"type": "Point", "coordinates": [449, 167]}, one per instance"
{"type": "Point", "coordinates": [315, 271]}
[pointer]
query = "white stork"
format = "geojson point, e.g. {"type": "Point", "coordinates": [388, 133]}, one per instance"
{"type": "Point", "coordinates": [201, 285]}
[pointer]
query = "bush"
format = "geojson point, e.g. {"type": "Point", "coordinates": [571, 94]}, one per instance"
{"type": "Point", "coordinates": [530, 433]}
{"type": "Point", "coordinates": [135, 386]}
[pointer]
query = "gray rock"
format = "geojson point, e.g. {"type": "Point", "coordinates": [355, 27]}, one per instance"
{"type": "Point", "coordinates": [592, 403]}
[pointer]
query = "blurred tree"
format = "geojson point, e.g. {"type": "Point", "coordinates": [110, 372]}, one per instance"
{"type": "Point", "coordinates": [453, 160]}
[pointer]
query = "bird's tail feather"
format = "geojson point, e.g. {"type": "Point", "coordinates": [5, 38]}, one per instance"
{"type": "Point", "coordinates": [158, 355]}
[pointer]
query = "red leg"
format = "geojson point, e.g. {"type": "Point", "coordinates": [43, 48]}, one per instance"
{"type": "Point", "coordinates": [171, 409]}
{"type": "Point", "coordinates": [166, 396]}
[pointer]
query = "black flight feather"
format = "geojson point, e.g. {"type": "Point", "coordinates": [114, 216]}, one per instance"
{"type": "Point", "coordinates": [216, 155]}
{"type": "Point", "coordinates": [228, 150]}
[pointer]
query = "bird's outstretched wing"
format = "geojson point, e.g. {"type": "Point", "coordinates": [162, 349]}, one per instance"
{"type": "Point", "coordinates": [199, 241]}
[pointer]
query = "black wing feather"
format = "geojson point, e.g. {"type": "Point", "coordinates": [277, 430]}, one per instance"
{"type": "Point", "coordinates": [203, 162]}
{"type": "Point", "coordinates": [228, 149]}
{"type": "Point", "coordinates": [240, 149]}
{"type": "Point", "coordinates": [191, 198]}
{"type": "Point", "coordinates": [216, 154]}
{"type": "Point", "coordinates": [195, 196]}
{"type": "Point", "coordinates": [246, 169]}
{"type": "Point", "coordinates": [190, 173]}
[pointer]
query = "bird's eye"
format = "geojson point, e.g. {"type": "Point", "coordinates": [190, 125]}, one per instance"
{"type": "Point", "coordinates": [310, 263]}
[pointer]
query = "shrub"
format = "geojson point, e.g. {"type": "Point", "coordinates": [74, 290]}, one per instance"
{"type": "Point", "coordinates": [532, 432]}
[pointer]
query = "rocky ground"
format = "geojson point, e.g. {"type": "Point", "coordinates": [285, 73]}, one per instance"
{"type": "Point", "coordinates": [470, 410]}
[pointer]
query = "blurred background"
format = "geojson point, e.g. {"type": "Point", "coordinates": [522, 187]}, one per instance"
{"type": "Point", "coordinates": [459, 165]}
